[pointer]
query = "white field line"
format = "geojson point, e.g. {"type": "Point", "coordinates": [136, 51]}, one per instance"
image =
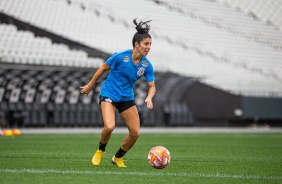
{"type": "Point", "coordinates": [199, 175]}
{"type": "Point", "coordinates": [153, 130]}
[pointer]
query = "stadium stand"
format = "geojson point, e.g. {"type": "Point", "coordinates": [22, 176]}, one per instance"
{"type": "Point", "coordinates": [49, 97]}
{"type": "Point", "coordinates": [46, 98]}
{"type": "Point", "coordinates": [233, 46]}
{"type": "Point", "coordinates": [24, 48]}
{"type": "Point", "coordinates": [267, 11]}
{"type": "Point", "coordinates": [233, 52]}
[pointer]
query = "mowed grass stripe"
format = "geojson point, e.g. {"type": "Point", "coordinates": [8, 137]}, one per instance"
{"type": "Point", "coordinates": [211, 175]}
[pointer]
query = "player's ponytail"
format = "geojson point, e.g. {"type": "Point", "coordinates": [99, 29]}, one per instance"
{"type": "Point", "coordinates": [143, 29]}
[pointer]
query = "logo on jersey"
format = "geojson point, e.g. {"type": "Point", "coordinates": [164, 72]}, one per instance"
{"type": "Point", "coordinates": [140, 71]}
{"type": "Point", "coordinates": [126, 59]}
{"type": "Point", "coordinates": [108, 100]}
{"type": "Point", "coordinates": [144, 63]}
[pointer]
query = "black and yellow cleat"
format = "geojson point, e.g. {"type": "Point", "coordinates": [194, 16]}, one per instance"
{"type": "Point", "coordinates": [118, 161]}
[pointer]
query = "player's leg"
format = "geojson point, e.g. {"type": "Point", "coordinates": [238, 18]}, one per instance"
{"type": "Point", "coordinates": [132, 121]}
{"type": "Point", "coordinates": [108, 114]}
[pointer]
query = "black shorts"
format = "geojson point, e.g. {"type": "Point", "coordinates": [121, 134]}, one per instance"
{"type": "Point", "coordinates": [120, 106]}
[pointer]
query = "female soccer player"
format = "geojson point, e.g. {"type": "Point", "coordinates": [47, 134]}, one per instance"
{"type": "Point", "coordinates": [117, 91]}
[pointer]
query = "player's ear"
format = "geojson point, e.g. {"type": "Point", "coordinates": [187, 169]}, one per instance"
{"type": "Point", "coordinates": [136, 44]}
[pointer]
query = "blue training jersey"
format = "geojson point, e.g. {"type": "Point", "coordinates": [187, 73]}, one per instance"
{"type": "Point", "coordinates": [119, 85]}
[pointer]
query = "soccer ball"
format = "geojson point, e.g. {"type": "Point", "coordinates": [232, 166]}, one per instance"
{"type": "Point", "coordinates": [159, 157]}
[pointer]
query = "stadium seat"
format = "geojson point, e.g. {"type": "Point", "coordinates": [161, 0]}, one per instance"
{"type": "Point", "coordinates": [147, 116]}
{"type": "Point", "coordinates": [177, 114]}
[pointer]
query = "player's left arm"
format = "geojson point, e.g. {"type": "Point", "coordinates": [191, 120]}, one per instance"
{"type": "Point", "coordinates": [151, 94]}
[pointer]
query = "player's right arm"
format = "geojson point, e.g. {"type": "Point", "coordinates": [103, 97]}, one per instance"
{"type": "Point", "coordinates": [87, 88]}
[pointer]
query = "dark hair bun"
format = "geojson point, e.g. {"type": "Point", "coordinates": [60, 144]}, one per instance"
{"type": "Point", "coordinates": [142, 27]}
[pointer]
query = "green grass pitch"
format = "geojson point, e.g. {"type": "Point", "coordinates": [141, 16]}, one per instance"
{"type": "Point", "coordinates": [195, 158]}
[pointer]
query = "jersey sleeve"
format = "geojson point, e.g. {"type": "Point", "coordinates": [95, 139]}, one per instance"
{"type": "Point", "coordinates": [149, 74]}
{"type": "Point", "coordinates": [112, 61]}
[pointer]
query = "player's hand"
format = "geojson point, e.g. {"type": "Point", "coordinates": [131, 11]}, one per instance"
{"type": "Point", "coordinates": [85, 89]}
{"type": "Point", "coordinates": [149, 103]}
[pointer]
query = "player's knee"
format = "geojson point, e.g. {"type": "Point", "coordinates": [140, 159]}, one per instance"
{"type": "Point", "coordinates": [109, 128]}
{"type": "Point", "coordinates": [134, 134]}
